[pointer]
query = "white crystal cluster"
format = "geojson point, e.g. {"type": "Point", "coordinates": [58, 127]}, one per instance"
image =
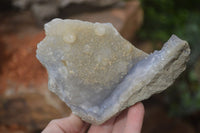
{"type": "Point", "coordinates": [97, 73]}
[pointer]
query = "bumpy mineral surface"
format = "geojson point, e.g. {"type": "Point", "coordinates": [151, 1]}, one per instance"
{"type": "Point", "coordinates": [97, 73]}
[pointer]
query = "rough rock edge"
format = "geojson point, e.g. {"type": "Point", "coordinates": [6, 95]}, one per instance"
{"type": "Point", "coordinates": [175, 51]}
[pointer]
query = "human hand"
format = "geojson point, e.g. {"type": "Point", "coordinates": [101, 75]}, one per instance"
{"type": "Point", "coordinates": [128, 121]}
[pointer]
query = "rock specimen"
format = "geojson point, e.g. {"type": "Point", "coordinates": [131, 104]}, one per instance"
{"type": "Point", "coordinates": [97, 73]}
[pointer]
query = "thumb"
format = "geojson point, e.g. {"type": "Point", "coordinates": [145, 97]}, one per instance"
{"type": "Point", "coordinates": [71, 124]}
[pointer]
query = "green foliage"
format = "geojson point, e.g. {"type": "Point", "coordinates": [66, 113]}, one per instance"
{"type": "Point", "coordinates": [184, 96]}
{"type": "Point", "coordinates": [162, 18]}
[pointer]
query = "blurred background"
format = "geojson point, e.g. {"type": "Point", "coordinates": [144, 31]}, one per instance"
{"type": "Point", "coordinates": [26, 105]}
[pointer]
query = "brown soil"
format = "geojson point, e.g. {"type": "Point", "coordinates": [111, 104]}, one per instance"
{"type": "Point", "coordinates": [18, 63]}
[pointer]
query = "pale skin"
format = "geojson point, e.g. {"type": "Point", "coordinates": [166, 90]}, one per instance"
{"type": "Point", "coordinates": [128, 121]}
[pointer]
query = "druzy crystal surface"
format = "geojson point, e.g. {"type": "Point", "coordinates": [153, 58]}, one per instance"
{"type": "Point", "coordinates": [97, 73]}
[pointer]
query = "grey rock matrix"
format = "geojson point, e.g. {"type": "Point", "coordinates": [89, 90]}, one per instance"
{"type": "Point", "coordinates": [97, 73]}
